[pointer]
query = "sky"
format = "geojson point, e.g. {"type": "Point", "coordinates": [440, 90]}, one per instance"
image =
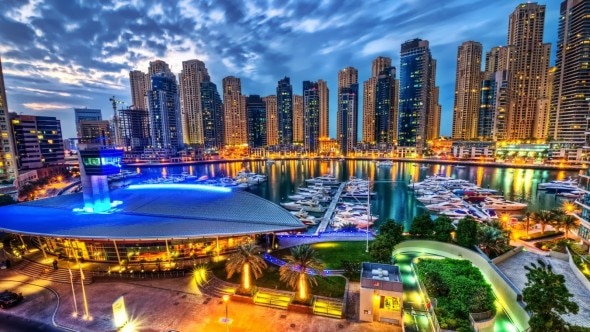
{"type": "Point", "coordinates": [58, 55]}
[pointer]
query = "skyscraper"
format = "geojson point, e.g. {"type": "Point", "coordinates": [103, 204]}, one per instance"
{"type": "Point", "coordinates": [85, 114]}
{"type": "Point", "coordinates": [139, 83]}
{"type": "Point", "coordinates": [285, 111]}
{"type": "Point", "coordinates": [468, 79]}
{"type": "Point", "coordinates": [311, 115]}
{"type": "Point", "coordinates": [38, 141]}
{"type": "Point", "coordinates": [234, 112]}
{"type": "Point", "coordinates": [369, 110]}
{"type": "Point", "coordinates": [8, 167]}
{"type": "Point", "coordinates": [418, 95]}
{"type": "Point", "coordinates": [213, 120]}
{"type": "Point", "coordinates": [135, 129]}
{"type": "Point", "coordinates": [158, 66]}
{"type": "Point", "coordinates": [529, 69]}
{"type": "Point", "coordinates": [193, 74]}
{"type": "Point", "coordinates": [164, 112]}
{"type": "Point", "coordinates": [491, 120]}
{"type": "Point", "coordinates": [324, 94]}
{"type": "Point", "coordinates": [571, 93]}
{"type": "Point", "coordinates": [272, 122]}
{"type": "Point", "coordinates": [256, 115]}
{"type": "Point", "coordinates": [385, 120]}
{"type": "Point", "coordinates": [347, 115]}
{"type": "Point", "coordinates": [298, 119]}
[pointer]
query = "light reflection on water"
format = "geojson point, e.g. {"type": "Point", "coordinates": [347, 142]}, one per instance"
{"type": "Point", "coordinates": [393, 199]}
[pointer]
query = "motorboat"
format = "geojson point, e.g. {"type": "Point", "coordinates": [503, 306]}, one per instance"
{"type": "Point", "coordinates": [558, 183]}
{"type": "Point", "coordinates": [502, 205]}
{"type": "Point", "coordinates": [437, 198]}
{"type": "Point", "coordinates": [311, 206]}
{"type": "Point", "coordinates": [385, 163]}
{"type": "Point", "coordinates": [293, 206]}
{"type": "Point", "coordinates": [324, 180]}
{"type": "Point", "coordinates": [445, 206]}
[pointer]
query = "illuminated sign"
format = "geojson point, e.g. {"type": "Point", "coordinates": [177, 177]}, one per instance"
{"type": "Point", "coordinates": [391, 303]}
{"type": "Point", "coordinates": [119, 313]}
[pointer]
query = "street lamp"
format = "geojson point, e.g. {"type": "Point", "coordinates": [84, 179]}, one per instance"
{"type": "Point", "coordinates": [226, 300]}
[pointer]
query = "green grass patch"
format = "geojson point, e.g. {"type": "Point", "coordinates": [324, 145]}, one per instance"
{"type": "Point", "coordinates": [328, 286]}
{"type": "Point", "coordinates": [459, 288]}
{"type": "Point", "coordinates": [539, 235]}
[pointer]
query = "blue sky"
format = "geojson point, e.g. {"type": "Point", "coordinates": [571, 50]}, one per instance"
{"type": "Point", "coordinates": [62, 54]}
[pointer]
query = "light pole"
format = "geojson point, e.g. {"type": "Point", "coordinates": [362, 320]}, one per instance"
{"type": "Point", "coordinates": [226, 300]}
{"type": "Point", "coordinates": [368, 211]}
{"type": "Point", "coordinates": [73, 292]}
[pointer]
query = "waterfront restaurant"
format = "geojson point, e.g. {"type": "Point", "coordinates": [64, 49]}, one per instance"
{"type": "Point", "coordinates": [149, 223]}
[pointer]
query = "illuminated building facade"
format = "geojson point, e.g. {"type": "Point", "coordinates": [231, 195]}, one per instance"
{"type": "Point", "coordinates": [467, 91]}
{"type": "Point", "coordinates": [192, 75]}
{"type": "Point", "coordinates": [348, 108]}
{"type": "Point", "coordinates": [8, 166]}
{"type": "Point", "coordinates": [386, 107]}
{"type": "Point", "coordinates": [164, 111]}
{"type": "Point", "coordinates": [256, 115]}
{"type": "Point", "coordinates": [95, 132]}
{"type": "Point", "coordinates": [311, 115]}
{"type": "Point", "coordinates": [272, 123]}
{"type": "Point", "coordinates": [135, 129]}
{"type": "Point", "coordinates": [234, 112]}
{"type": "Point", "coordinates": [38, 141]}
{"type": "Point", "coordinates": [213, 121]}
{"type": "Point", "coordinates": [285, 111]}
{"type": "Point", "coordinates": [298, 124]}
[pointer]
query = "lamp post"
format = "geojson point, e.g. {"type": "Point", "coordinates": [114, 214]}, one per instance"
{"type": "Point", "coordinates": [368, 211]}
{"type": "Point", "coordinates": [73, 292]}
{"type": "Point", "coordinates": [226, 300]}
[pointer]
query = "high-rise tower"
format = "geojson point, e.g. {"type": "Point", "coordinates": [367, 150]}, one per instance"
{"type": "Point", "coordinates": [234, 112]}
{"type": "Point", "coordinates": [139, 83]}
{"type": "Point", "coordinates": [324, 94]}
{"type": "Point", "coordinates": [571, 83]}
{"type": "Point", "coordinates": [298, 120]}
{"type": "Point", "coordinates": [529, 69]}
{"type": "Point", "coordinates": [8, 167]}
{"type": "Point", "coordinates": [272, 123]}
{"type": "Point", "coordinates": [311, 115]}
{"type": "Point", "coordinates": [419, 112]}
{"type": "Point", "coordinates": [256, 118]}
{"type": "Point", "coordinates": [285, 111]}
{"type": "Point", "coordinates": [164, 112]}
{"type": "Point", "coordinates": [347, 115]}
{"type": "Point", "coordinates": [193, 74]}
{"type": "Point", "coordinates": [379, 64]}
{"type": "Point", "coordinates": [385, 114]}
{"type": "Point", "coordinates": [213, 121]}
{"type": "Point", "coordinates": [467, 91]}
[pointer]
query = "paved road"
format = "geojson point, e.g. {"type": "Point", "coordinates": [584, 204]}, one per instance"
{"type": "Point", "coordinates": [16, 324]}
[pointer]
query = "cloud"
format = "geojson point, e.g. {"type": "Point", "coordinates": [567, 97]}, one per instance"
{"type": "Point", "coordinates": [46, 107]}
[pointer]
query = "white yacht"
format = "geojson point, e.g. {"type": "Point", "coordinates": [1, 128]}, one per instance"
{"type": "Point", "coordinates": [385, 163]}
{"type": "Point", "coordinates": [502, 205]}
{"type": "Point", "coordinates": [445, 206]}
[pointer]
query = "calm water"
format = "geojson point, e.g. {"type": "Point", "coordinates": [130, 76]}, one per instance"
{"type": "Point", "coordinates": [393, 199]}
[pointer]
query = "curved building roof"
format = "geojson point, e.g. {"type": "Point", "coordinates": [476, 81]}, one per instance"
{"type": "Point", "coordinates": [151, 212]}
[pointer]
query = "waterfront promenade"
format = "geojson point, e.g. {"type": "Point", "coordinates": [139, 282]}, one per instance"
{"type": "Point", "coordinates": [563, 166]}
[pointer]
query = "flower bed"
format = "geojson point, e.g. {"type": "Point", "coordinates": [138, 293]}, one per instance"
{"type": "Point", "coordinates": [459, 288]}
{"type": "Point", "coordinates": [555, 245]}
{"type": "Point", "coordinates": [539, 235]}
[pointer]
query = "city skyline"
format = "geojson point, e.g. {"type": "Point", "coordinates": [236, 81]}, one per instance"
{"type": "Point", "coordinates": [50, 66]}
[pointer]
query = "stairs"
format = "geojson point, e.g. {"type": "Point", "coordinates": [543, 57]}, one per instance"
{"type": "Point", "coordinates": [216, 287]}
{"type": "Point", "coordinates": [61, 275]}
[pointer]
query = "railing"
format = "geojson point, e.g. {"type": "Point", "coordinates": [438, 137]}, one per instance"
{"type": "Point", "coordinates": [139, 275]}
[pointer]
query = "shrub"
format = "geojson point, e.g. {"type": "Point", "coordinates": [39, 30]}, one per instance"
{"type": "Point", "coordinates": [538, 236]}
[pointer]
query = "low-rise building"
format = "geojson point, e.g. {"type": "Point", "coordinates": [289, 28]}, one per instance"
{"type": "Point", "coordinates": [381, 294]}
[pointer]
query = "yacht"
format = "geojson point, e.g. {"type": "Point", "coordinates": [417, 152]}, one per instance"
{"type": "Point", "coordinates": [502, 205]}
{"type": "Point", "coordinates": [445, 206]}
{"type": "Point", "coordinates": [385, 163]}
{"type": "Point", "coordinates": [324, 180]}
{"type": "Point", "coordinates": [559, 184]}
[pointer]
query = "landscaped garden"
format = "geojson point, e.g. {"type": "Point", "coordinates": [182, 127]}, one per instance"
{"type": "Point", "coordinates": [459, 289]}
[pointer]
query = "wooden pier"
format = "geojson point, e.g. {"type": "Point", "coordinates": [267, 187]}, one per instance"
{"type": "Point", "coordinates": [330, 211]}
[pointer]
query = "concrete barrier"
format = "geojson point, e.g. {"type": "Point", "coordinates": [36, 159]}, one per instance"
{"type": "Point", "coordinates": [509, 296]}
{"type": "Point", "coordinates": [577, 272]}
{"type": "Point", "coordinates": [559, 255]}
{"type": "Point", "coordinates": [507, 255]}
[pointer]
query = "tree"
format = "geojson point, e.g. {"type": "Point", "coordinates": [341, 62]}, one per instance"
{"type": "Point", "coordinates": [568, 223]}
{"type": "Point", "coordinates": [543, 217]}
{"type": "Point", "coordinates": [246, 260]}
{"type": "Point", "coordinates": [547, 297]}
{"type": "Point", "coordinates": [301, 269]}
{"type": "Point", "coordinates": [389, 235]}
{"type": "Point", "coordinates": [421, 227]}
{"type": "Point", "coordinates": [6, 200]}
{"type": "Point", "coordinates": [443, 227]}
{"type": "Point", "coordinates": [467, 232]}
{"type": "Point", "coordinates": [491, 240]}
{"type": "Point", "coordinates": [527, 214]}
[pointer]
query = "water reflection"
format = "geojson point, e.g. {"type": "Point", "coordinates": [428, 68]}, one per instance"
{"type": "Point", "coordinates": [391, 183]}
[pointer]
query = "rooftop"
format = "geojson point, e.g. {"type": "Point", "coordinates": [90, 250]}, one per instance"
{"type": "Point", "coordinates": [161, 211]}
{"type": "Point", "coordinates": [384, 272]}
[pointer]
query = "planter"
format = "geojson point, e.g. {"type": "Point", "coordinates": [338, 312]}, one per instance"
{"type": "Point", "coordinates": [242, 298]}
{"type": "Point", "coordinates": [507, 255]}
{"type": "Point", "coordinates": [559, 255]}
{"type": "Point", "coordinates": [304, 309]}
{"type": "Point", "coordinates": [483, 322]}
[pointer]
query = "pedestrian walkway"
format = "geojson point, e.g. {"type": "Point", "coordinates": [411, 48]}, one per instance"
{"type": "Point", "coordinates": [514, 269]}
{"type": "Point", "coordinates": [330, 211]}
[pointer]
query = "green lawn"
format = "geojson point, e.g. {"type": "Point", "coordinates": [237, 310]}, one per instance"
{"type": "Point", "coordinates": [328, 286]}
{"type": "Point", "coordinates": [333, 253]}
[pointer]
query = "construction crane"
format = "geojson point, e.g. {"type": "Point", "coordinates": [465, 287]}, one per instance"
{"type": "Point", "coordinates": [114, 102]}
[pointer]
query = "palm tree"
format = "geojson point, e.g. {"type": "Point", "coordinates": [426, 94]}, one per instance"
{"type": "Point", "coordinates": [528, 214]}
{"type": "Point", "coordinates": [491, 240]}
{"type": "Point", "coordinates": [568, 222]}
{"type": "Point", "coordinates": [301, 269]}
{"type": "Point", "coordinates": [543, 217]}
{"type": "Point", "coordinates": [246, 259]}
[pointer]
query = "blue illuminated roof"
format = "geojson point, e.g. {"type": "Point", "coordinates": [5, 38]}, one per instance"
{"type": "Point", "coordinates": [161, 212]}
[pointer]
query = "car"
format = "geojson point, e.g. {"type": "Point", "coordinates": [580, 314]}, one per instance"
{"type": "Point", "coordinates": [9, 299]}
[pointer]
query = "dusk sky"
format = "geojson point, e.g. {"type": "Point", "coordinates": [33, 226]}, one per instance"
{"type": "Point", "coordinates": [62, 54]}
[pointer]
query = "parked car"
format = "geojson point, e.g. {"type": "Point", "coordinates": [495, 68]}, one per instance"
{"type": "Point", "coordinates": [9, 299]}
